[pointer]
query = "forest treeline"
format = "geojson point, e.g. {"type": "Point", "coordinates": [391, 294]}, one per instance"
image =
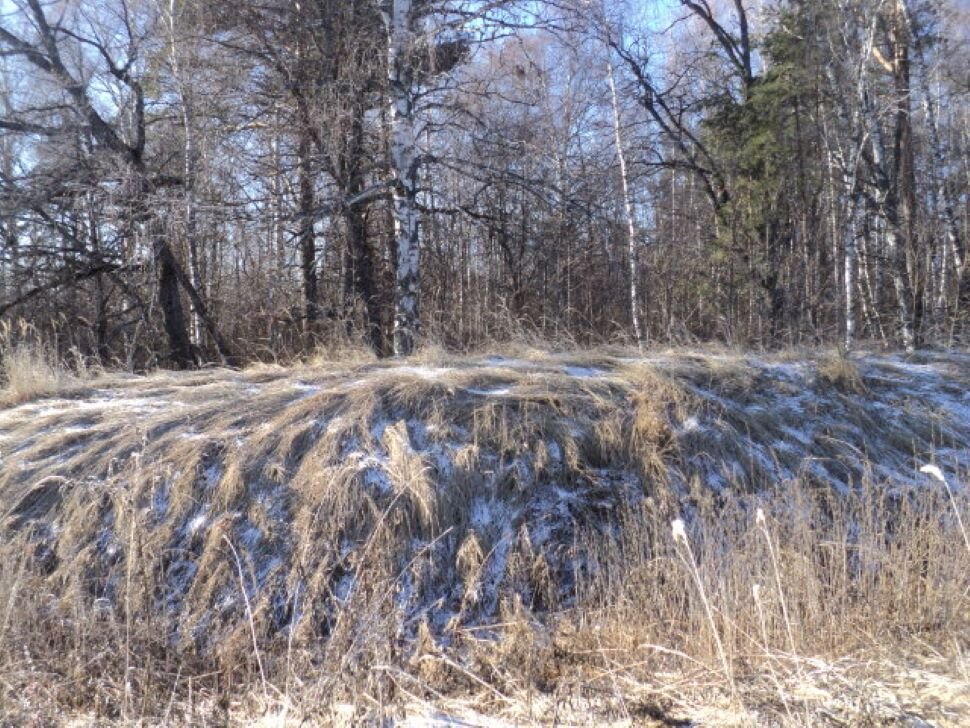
{"type": "Point", "coordinates": [193, 181]}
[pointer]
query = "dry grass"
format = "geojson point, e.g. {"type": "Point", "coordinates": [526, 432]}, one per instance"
{"type": "Point", "coordinates": [30, 367]}
{"type": "Point", "coordinates": [881, 569]}
{"type": "Point", "coordinates": [839, 371]}
{"type": "Point", "coordinates": [347, 542]}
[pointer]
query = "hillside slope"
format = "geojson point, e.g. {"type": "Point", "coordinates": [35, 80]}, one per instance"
{"type": "Point", "coordinates": [378, 519]}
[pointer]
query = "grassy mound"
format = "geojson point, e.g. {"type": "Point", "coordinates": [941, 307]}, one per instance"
{"type": "Point", "coordinates": [353, 542]}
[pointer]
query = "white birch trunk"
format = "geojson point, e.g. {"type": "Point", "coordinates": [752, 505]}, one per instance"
{"type": "Point", "coordinates": [867, 119]}
{"type": "Point", "coordinates": [277, 244]}
{"type": "Point", "coordinates": [399, 21]}
{"type": "Point", "coordinates": [627, 209]}
{"type": "Point", "coordinates": [850, 251]}
{"type": "Point", "coordinates": [849, 275]}
{"type": "Point", "coordinates": [867, 291]}
{"type": "Point", "coordinates": [188, 172]}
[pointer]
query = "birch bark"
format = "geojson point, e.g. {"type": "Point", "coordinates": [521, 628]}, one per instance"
{"type": "Point", "coordinates": [627, 209]}
{"type": "Point", "coordinates": [399, 19]}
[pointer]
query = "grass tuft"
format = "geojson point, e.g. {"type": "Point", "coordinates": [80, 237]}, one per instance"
{"type": "Point", "coordinates": [29, 366]}
{"type": "Point", "coordinates": [840, 372]}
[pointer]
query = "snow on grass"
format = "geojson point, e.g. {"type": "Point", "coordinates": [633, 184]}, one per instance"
{"type": "Point", "coordinates": [490, 392]}
{"type": "Point", "coordinates": [691, 424]}
{"type": "Point", "coordinates": [306, 387]}
{"type": "Point", "coordinates": [196, 524]}
{"type": "Point", "coordinates": [749, 422]}
{"type": "Point", "coordinates": [584, 372]}
{"type": "Point", "coordinates": [102, 401]}
{"type": "Point", "coordinates": [428, 372]}
{"type": "Point", "coordinates": [432, 719]}
{"type": "Point", "coordinates": [508, 363]}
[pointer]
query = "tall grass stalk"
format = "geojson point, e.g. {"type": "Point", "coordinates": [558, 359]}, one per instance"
{"type": "Point", "coordinates": [249, 615]}
{"type": "Point", "coordinates": [680, 537]}
{"type": "Point", "coordinates": [935, 472]}
{"type": "Point", "coordinates": [762, 523]}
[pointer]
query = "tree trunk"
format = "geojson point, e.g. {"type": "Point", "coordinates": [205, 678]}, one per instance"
{"type": "Point", "coordinates": [634, 271]}
{"type": "Point", "coordinates": [308, 240]}
{"type": "Point", "coordinates": [404, 163]}
{"type": "Point", "coordinates": [363, 278]}
{"type": "Point", "coordinates": [851, 239]}
{"type": "Point", "coordinates": [225, 349]}
{"type": "Point", "coordinates": [188, 169]}
{"type": "Point", "coordinates": [887, 202]}
{"type": "Point", "coordinates": [181, 351]}
{"type": "Point", "coordinates": [902, 239]}
{"type": "Point", "coordinates": [954, 244]}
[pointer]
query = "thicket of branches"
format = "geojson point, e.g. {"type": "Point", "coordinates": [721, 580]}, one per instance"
{"type": "Point", "coordinates": [186, 181]}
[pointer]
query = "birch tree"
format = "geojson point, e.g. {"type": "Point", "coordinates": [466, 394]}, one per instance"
{"type": "Point", "coordinates": [627, 207]}
{"type": "Point", "coordinates": [425, 40]}
{"type": "Point", "coordinates": [401, 18]}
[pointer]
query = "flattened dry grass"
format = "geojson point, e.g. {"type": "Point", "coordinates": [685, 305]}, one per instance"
{"type": "Point", "coordinates": [494, 530]}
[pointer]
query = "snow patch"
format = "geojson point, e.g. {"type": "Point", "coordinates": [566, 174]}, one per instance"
{"type": "Point", "coordinates": [584, 372]}
{"type": "Point", "coordinates": [506, 362]}
{"type": "Point", "coordinates": [196, 524]}
{"type": "Point", "coordinates": [423, 371]}
{"type": "Point", "coordinates": [691, 424]}
{"type": "Point", "coordinates": [306, 388]}
{"type": "Point", "coordinates": [494, 392]}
